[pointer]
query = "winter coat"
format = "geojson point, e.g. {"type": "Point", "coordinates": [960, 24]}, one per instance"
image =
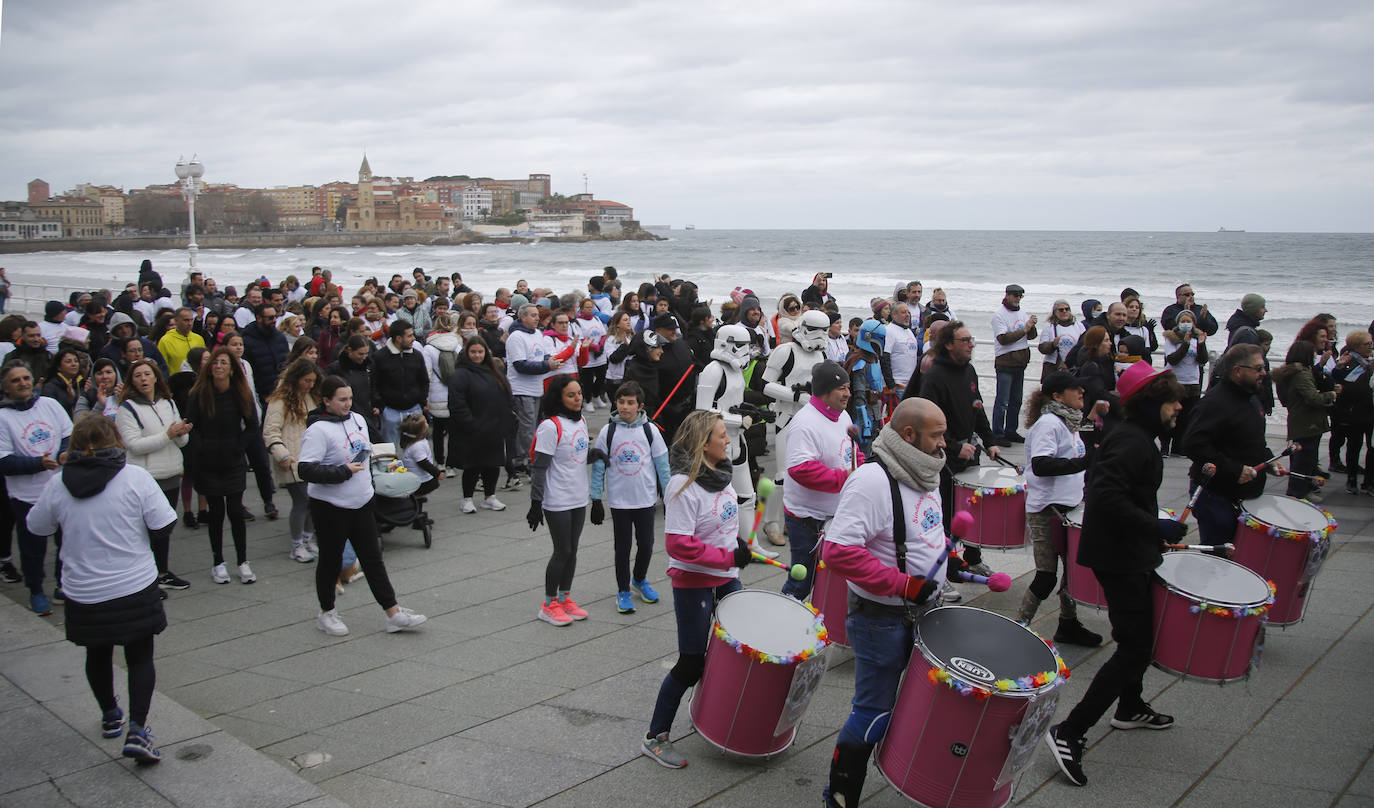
{"type": "Point", "coordinates": [143, 426]}
{"type": "Point", "coordinates": [266, 350]}
{"type": "Point", "coordinates": [1226, 428]}
{"type": "Point", "coordinates": [219, 443]}
{"type": "Point", "coordinates": [360, 380]}
{"type": "Point", "coordinates": [481, 417]}
{"type": "Point", "coordinates": [954, 389]}
{"type": "Point", "coordinates": [1120, 508]}
{"type": "Point", "coordinates": [400, 380]}
{"type": "Point", "coordinates": [1355, 404]}
{"type": "Point", "coordinates": [438, 388]}
{"type": "Point", "coordinates": [283, 434]}
{"type": "Point", "coordinates": [1306, 405]}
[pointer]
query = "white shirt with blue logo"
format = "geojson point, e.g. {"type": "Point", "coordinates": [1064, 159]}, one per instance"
{"type": "Point", "coordinates": [336, 443]}
{"type": "Point", "coordinates": [34, 432]}
{"type": "Point", "coordinates": [568, 480]}
{"type": "Point", "coordinates": [812, 436]}
{"type": "Point", "coordinates": [631, 478]}
{"type": "Point", "coordinates": [712, 518]}
{"type": "Point", "coordinates": [863, 518]}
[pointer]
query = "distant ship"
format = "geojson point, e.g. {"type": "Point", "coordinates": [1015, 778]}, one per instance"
{"type": "Point", "coordinates": [1224, 230]}
{"type": "Point", "coordinates": [690, 227]}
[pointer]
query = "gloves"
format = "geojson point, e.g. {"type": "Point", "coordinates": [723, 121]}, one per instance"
{"type": "Point", "coordinates": [535, 516]}
{"type": "Point", "coordinates": [801, 388]}
{"type": "Point", "coordinates": [598, 512]}
{"type": "Point", "coordinates": [919, 590]}
{"type": "Point", "coordinates": [1171, 530]}
{"type": "Point", "coordinates": [1151, 323]}
{"type": "Point", "coordinates": [742, 554]}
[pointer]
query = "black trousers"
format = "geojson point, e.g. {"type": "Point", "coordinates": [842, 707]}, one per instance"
{"type": "Point", "coordinates": [1121, 678]}
{"type": "Point", "coordinates": [633, 525]}
{"type": "Point", "coordinates": [333, 527]}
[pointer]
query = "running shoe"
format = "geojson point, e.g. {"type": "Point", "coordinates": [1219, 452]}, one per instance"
{"type": "Point", "coordinates": [330, 623]}
{"type": "Point", "coordinates": [553, 614]}
{"type": "Point", "coordinates": [403, 619]}
{"type": "Point", "coordinates": [8, 573]}
{"type": "Point", "coordinates": [112, 723]}
{"type": "Point", "coordinates": [571, 609]}
{"type": "Point", "coordinates": [467, 506]}
{"type": "Point", "coordinates": [246, 573]}
{"type": "Point", "coordinates": [1144, 718]}
{"type": "Point", "coordinates": [646, 592]}
{"type": "Point", "coordinates": [491, 503]}
{"type": "Point", "coordinates": [624, 603]}
{"type": "Point", "coordinates": [660, 750]}
{"type": "Point", "coordinates": [138, 744]}
{"type": "Point", "coordinates": [40, 605]}
{"type": "Point", "coordinates": [169, 580]}
{"type": "Point", "coordinates": [1068, 753]}
{"type": "Point", "coordinates": [302, 553]}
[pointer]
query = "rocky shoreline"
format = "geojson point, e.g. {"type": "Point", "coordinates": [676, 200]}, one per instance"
{"type": "Point", "coordinates": [240, 241]}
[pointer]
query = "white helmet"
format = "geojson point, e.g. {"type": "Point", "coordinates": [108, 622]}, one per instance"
{"type": "Point", "coordinates": [811, 330]}
{"type": "Point", "coordinates": [733, 345]}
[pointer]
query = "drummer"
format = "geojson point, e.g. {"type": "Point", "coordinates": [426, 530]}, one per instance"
{"type": "Point", "coordinates": [893, 577]}
{"type": "Point", "coordinates": [821, 454]}
{"type": "Point", "coordinates": [1122, 537]}
{"type": "Point", "coordinates": [1054, 484]}
{"type": "Point", "coordinates": [705, 552]}
{"type": "Point", "coordinates": [1226, 428]}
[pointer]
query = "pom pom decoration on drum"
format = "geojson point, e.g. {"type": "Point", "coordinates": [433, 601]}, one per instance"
{"type": "Point", "coordinates": [996, 498]}
{"type": "Point", "coordinates": [764, 661]}
{"type": "Point", "coordinates": [1286, 541]}
{"type": "Point", "coordinates": [1209, 616]}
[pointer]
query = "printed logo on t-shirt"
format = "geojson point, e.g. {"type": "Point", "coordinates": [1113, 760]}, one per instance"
{"type": "Point", "coordinates": [847, 452]}
{"type": "Point", "coordinates": [627, 459]}
{"type": "Point", "coordinates": [36, 433]}
{"type": "Point", "coordinates": [357, 441]}
{"type": "Point", "coordinates": [728, 510]}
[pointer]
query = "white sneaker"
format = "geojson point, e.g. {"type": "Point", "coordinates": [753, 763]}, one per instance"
{"type": "Point", "coordinates": [589, 406]}
{"type": "Point", "coordinates": [403, 619]}
{"type": "Point", "coordinates": [948, 594]}
{"type": "Point", "coordinates": [301, 552]}
{"type": "Point", "coordinates": [467, 506]}
{"type": "Point", "coordinates": [491, 503]}
{"type": "Point", "coordinates": [220, 574]}
{"type": "Point", "coordinates": [330, 623]}
{"type": "Point", "coordinates": [310, 542]}
{"type": "Point", "coordinates": [246, 574]}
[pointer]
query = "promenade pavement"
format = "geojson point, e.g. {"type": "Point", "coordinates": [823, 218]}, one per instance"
{"type": "Point", "coordinates": [486, 706]}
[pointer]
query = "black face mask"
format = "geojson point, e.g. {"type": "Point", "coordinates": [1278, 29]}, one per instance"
{"type": "Point", "coordinates": [940, 306]}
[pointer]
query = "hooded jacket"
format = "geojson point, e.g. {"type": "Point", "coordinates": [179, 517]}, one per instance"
{"type": "Point", "coordinates": [143, 426]}
{"type": "Point", "coordinates": [1121, 510]}
{"type": "Point", "coordinates": [1306, 405]}
{"type": "Point", "coordinates": [954, 389]}
{"type": "Point", "coordinates": [266, 350]}
{"type": "Point", "coordinates": [1227, 428]}
{"type": "Point", "coordinates": [112, 352]}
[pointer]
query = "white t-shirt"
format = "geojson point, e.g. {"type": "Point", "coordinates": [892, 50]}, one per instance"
{"type": "Point", "coordinates": [863, 518]}
{"type": "Point", "coordinates": [712, 518]}
{"type": "Point", "coordinates": [1049, 436]}
{"type": "Point", "coordinates": [521, 346]}
{"type": "Point", "coordinates": [837, 349]}
{"type": "Point", "coordinates": [592, 330]}
{"type": "Point", "coordinates": [413, 454]}
{"type": "Point", "coordinates": [631, 478]}
{"type": "Point", "coordinates": [1187, 370]}
{"type": "Point", "coordinates": [812, 436]}
{"type": "Point", "coordinates": [568, 480]}
{"type": "Point", "coordinates": [556, 347]}
{"type": "Point", "coordinates": [105, 549]}
{"type": "Point", "coordinates": [243, 316]}
{"type": "Point", "coordinates": [614, 370]}
{"type": "Point", "coordinates": [53, 334]}
{"type": "Point", "coordinates": [336, 443]}
{"type": "Point", "coordinates": [901, 344]}
{"type": "Point", "coordinates": [33, 432]}
{"type": "Point", "coordinates": [1005, 321]}
{"type": "Point", "coordinates": [1064, 337]}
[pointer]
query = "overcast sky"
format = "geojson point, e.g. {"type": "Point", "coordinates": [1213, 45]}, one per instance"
{"type": "Point", "coordinates": [1172, 115]}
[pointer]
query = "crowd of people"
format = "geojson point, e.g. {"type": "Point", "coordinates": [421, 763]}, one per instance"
{"type": "Point", "coordinates": [300, 381]}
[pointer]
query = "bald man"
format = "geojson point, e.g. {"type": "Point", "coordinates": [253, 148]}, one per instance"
{"type": "Point", "coordinates": [893, 576]}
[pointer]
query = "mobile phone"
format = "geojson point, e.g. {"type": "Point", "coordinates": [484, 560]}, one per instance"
{"type": "Point", "coordinates": [827, 274]}
{"type": "Point", "coordinates": [361, 457]}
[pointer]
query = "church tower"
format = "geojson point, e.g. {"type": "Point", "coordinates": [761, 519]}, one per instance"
{"type": "Point", "coordinates": [367, 206]}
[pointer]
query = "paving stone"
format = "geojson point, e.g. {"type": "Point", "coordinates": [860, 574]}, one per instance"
{"type": "Point", "coordinates": [233, 691]}
{"type": "Point", "coordinates": [1295, 759]}
{"type": "Point", "coordinates": [110, 785]}
{"type": "Point", "coordinates": [565, 731]}
{"type": "Point", "coordinates": [487, 771]}
{"type": "Point", "coordinates": [216, 777]}
{"type": "Point", "coordinates": [47, 671]}
{"type": "Point", "coordinates": [379, 792]}
{"type": "Point", "coordinates": [27, 746]}
{"type": "Point", "coordinates": [1224, 792]}
{"type": "Point", "coordinates": [312, 709]}
{"type": "Point", "coordinates": [490, 696]}
{"type": "Point", "coordinates": [401, 680]}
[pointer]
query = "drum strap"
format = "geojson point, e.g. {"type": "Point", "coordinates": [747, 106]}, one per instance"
{"type": "Point", "coordinates": [898, 516]}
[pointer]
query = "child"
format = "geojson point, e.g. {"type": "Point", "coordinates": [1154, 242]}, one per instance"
{"type": "Point", "coordinates": [558, 492]}
{"type": "Point", "coordinates": [634, 450]}
{"type": "Point", "coordinates": [416, 454]}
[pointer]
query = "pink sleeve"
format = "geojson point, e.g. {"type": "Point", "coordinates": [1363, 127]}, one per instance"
{"type": "Point", "coordinates": [863, 568]}
{"type": "Point", "coordinates": [818, 476]}
{"type": "Point", "coordinates": [689, 550]}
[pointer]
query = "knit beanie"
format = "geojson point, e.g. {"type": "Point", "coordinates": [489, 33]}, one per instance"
{"type": "Point", "coordinates": [1251, 304]}
{"type": "Point", "coordinates": [826, 377]}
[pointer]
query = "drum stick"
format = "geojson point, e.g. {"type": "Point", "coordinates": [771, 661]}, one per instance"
{"type": "Point", "coordinates": [1208, 469]}
{"type": "Point", "coordinates": [1228, 547]}
{"type": "Point", "coordinates": [958, 527]}
{"type": "Point", "coordinates": [978, 444]}
{"type": "Point", "coordinates": [764, 491]}
{"type": "Point", "coordinates": [1288, 450]}
{"type": "Point", "coordinates": [1317, 479]}
{"type": "Point", "coordinates": [796, 572]}
{"type": "Point", "coordinates": [997, 582]}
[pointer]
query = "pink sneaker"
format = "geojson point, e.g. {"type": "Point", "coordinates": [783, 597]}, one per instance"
{"type": "Point", "coordinates": [571, 609]}
{"type": "Point", "coordinates": [553, 613]}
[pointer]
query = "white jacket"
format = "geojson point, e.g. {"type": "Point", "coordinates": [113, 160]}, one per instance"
{"type": "Point", "coordinates": [438, 389]}
{"type": "Point", "coordinates": [144, 430]}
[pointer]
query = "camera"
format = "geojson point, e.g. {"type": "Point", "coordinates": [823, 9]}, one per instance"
{"type": "Point", "coordinates": [827, 274]}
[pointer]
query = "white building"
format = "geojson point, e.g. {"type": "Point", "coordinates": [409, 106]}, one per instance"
{"type": "Point", "coordinates": [476, 202]}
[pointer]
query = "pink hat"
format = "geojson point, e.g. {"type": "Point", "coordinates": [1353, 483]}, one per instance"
{"type": "Point", "coordinates": [77, 334]}
{"type": "Point", "coordinates": [1135, 378]}
{"type": "Point", "coordinates": [740, 293]}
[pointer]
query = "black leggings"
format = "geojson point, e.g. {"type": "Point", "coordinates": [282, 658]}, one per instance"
{"type": "Point", "coordinates": [161, 540]}
{"type": "Point", "coordinates": [440, 427]}
{"type": "Point", "coordinates": [640, 521]}
{"type": "Point", "coordinates": [138, 658]}
{"type": "Point", "coordinates": [565, 528]}
{"type": "Point", "coordinates": [238, 526]}
{"type": "Point", "coordinates": [333, 527]}
{"type": "Point", "coordinates": [592, 380]}
{"type": "Point", "coordinates": [488, 476]}
{"type": "Point", "coordinates": [262, 467]}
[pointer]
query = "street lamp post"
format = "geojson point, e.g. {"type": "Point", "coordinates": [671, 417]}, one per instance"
{"type": "Point", "coordinates": [190, 174]}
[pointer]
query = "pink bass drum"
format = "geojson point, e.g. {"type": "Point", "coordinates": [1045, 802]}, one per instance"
{"type": "Point", "coordinates": [996, 496]}
{"type": "Point", "coordinates": [1209, 616]}
{"type": "Point", "coordinates": [1082, 584]}
{"type": "Point", "coordinates": [764, 661]}
{"type": "Point", "coordinates": [1286, 540]}
{"type": "Point", "coordinates": [977, 696]}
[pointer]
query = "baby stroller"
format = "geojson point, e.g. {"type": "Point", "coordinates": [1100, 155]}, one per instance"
{"type": "Point", "coordinates": [394, 500]}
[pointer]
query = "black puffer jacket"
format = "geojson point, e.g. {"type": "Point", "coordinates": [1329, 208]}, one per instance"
{"type": "Point", "coordinates": [1120, 507]}
{"type": "Point", "coordinates": [954, 389]}
{"type": "Point", "coordinates": [359, 378]}
{"type": "Point", "coordinates": [400, 378]}
{"type": "Point", "coordinates": [481, 417]}
{"type": "Point", "coordinates": [1227, 428]}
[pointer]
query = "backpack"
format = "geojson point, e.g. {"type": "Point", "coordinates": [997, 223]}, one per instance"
{"type": "Point", "coordinates": [557, 425]}
{"type": "Point", "coordinates": [648, 434]}
{"type": "Point", "coordinates": [448, 360]}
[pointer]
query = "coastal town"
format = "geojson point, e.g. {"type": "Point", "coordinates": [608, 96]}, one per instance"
{"type": "Point", "coordinates": [445, 205]}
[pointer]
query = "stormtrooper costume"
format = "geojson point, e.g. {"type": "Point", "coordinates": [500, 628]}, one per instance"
{"type": "Point", "coordinates": [787, 380]}
{"type": "Point", "coordinates": [720, 388]}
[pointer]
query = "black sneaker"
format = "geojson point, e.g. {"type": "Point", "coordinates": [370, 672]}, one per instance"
{"type": "Point", "coordinates": [248, 516]}
{"type": "Point", "coordinates": [8, 573]}
{"type": "Point", "coordinates": [169, 580]}
{"type": "Point", "coordinates": [189, 520]}
{"type": "Point", "coordinates": [1351, 487]}
{"type": "Point", "coordinates": [203, 517]}
{"type": "Point", "coordinates": [1072, 632]}
{"type": "Point", "coordinates": [58, 595]}
{"type": "Point", "coordinates": [138, 744]}
{"type": "Point", "coordinates": [1144, 718]}
{"type": "Point", "coordinates": [998, 440]}
{"type": "Point", "coordinates": [270, 509]}
{"type": "Point", "coordinates": [1068, 753]}
{"type": "Point", "coordinates": [1014, 437]}
{"type": "Point", "coordinates": [1337, 466]}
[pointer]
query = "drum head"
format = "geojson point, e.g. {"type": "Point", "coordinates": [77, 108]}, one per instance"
{"type": "Point", "coordinates": [1286, 512]}
{"type": "Point", "coordinates": [1075, 516]}
{"type": "Point", "coordinates": [989, 477]}
{"type": "Point", "coordinates": [981, 647]}
{"type": "Point", "coordinates": [770, 622]}
{"type": "Point", "coordinates": [1213, 580]}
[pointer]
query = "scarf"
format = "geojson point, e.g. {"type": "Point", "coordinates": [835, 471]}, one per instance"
{"type": "Point", "coordinates": [1072, 417]}
{"type": "Point", "coordinates": [907, 464]}
{"type": "Point", "coordinates": [712, 478]}
{"type": "Point", "coordinates": [557, 336]}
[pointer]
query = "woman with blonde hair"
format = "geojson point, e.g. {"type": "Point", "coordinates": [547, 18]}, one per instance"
{"type": "Point", "coordinates": [109, 512]}
{"type": "Point", "coordinates": [705, 552]}
{"type": "Point", "coordinates": [283, 426]}
{"type": "Point", "coordinates": [292, 326]}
